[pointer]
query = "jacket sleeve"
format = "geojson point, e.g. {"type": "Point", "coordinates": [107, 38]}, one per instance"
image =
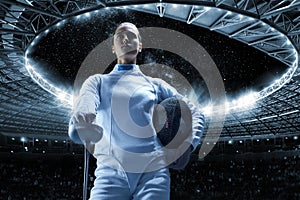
{"type": "Point", "coordinates": [89, 97]}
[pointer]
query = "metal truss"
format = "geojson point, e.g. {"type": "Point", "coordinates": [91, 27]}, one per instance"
{"type": "Point", "coordinates": [270, 26]}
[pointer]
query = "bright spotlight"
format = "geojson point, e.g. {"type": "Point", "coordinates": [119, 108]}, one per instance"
{"type": "Point", "coordinates": [230, 142]}
{"type": "Point", "coordinates": [277, 81]}
{"type": "Point", "coordinates": [87, 14]}
{"type": "Point", "coordinates": [207, 110]}
{"type": "Point", "coordinates": [207, 8]}
{"type": "Point", "coordinates": [23, 139]}
{"type": "Point", "coordinates": [61, 96]}
{"type": "Point", "coordinates": [295, 137]}
{"type": "Point", "coordinates": [246, 101]}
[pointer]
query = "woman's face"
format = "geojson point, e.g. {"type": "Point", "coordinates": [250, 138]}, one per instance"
{"type": "Point", "coordinates": [126, 42]}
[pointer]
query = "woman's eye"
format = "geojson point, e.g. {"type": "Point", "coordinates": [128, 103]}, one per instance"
{"type": "Point", "coordinates": [119, 37]}
{"type": "Point", "coordinates": [131, 35]}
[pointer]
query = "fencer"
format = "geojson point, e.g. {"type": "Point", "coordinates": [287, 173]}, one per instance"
{"type": "Point", "coordinates": [122, 102]}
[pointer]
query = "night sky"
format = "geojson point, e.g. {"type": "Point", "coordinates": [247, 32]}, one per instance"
{"type": "Point", "coordinates": [60, 54]}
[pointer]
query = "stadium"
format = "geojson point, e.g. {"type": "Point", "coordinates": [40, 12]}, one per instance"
{"type": "Point", "coordinates": [247, 85]}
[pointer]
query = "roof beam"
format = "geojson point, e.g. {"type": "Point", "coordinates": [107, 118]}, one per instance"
{"type": "Point", "coordinates": [28, 7]}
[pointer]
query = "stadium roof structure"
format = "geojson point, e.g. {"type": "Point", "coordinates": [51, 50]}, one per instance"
{"type": "Point", "coordinates": [270, 26]}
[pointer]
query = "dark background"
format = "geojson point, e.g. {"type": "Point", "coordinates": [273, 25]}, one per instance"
{"type": "Point", "coordinates": [243, 68]}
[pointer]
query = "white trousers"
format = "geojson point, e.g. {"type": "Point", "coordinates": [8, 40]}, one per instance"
{"type": "Point", "coordinates": [112, 184]}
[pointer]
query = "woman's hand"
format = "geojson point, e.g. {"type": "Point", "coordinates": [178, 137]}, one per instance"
{"type": "Point", "coordinates": [82, 129]}
{"type": "Point", "coordinates": [81, 118]}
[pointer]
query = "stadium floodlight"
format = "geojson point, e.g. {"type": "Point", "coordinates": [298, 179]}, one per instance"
{"type": "Point", "coordinates": [207, 9]}
{"type": "Point", "coordinates": [61, 96]}
{"type": "Point", "coordinates": [295, 137]}
{"type": "Point", "coordinates": [38, 78]}
{"type": "Point", "coordinates": [207, 110]}
{"type": "Point", "coordinates": [23, 139]}
{"type": "Point", "coordinates": [247, 100]}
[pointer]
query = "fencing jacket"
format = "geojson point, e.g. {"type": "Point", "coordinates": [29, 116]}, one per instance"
{"type": "Point", "coordinates": [123, 102]}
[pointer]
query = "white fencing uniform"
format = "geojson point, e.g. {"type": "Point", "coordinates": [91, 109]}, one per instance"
{"type": "Point", "coordinates": [130, 162]}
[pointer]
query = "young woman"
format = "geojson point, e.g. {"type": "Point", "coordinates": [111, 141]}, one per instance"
{"type": "Point", "coordinates": [130, 162]}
